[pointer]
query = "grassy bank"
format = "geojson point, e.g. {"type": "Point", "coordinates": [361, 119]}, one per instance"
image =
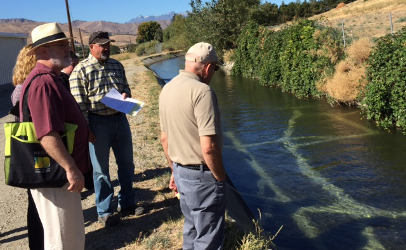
{"type": "Point", "coordinates": [152, 171]}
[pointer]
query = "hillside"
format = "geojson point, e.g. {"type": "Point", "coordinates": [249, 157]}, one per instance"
{"type": "Point", "coordinates": [363, 18]}
{"type": "Point", "coordinates": [367, 18]}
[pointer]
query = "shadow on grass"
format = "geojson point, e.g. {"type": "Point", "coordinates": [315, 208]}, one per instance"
{"type": "Point", "coordinates": [150, 174]}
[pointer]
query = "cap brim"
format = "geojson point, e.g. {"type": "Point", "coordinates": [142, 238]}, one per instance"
{"type": "Point", "coordinates": [219, 63]}
{"type": "Point", "coordinates": [31, 52]}
{"type": "Point", "coordinates": [192, 59]}
{"type": "Point", "coordinates": [103, 41]}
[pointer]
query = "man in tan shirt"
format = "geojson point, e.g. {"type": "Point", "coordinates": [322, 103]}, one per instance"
{"type": "Point", "coordinates": [192, 140]}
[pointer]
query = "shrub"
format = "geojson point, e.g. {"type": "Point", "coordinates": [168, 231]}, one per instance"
{"type": "Point", "coordinates": [346, 83]}
{"type": "Point", "coordinates": [294, 58]}
{"type": "Point", "coordinates": [360, 50]}
{"type": "Point", "coordinates": [385, 93]}
{"type": "Point", "coordinates": [147, 48]}
{"type": "Point", "coordinates": [114, 49]}
{"type": "Point", "coordinates": [132, 47]}
{"type": "Point", "coordinates": [401, 20]}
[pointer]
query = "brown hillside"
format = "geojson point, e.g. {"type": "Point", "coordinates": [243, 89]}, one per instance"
{"type": "Point", "coordinates": [122, 33]}
{"type": "Point", "coordinates": [367, 18]}
{"type": "Point", "coordinates": [364, 18]}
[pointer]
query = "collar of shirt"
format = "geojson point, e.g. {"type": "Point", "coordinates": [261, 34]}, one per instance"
{"type": "Point", "coordinates": [93, 60]}
{"type": "Point", "coordinates": [189, 74]}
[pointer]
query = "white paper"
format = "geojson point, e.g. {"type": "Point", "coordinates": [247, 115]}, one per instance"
{"type": "Point", "coordinates": [115, 100]}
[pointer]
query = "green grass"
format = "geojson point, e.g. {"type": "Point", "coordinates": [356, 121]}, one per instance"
{"type": "Point", "coordinates": [401, 20]}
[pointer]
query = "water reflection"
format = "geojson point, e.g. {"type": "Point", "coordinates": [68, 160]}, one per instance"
{"type": "Point", "coordinates": [333, 180]}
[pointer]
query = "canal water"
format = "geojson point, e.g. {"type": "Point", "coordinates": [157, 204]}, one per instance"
{"type": "Point", "coordinates": [331, 178]}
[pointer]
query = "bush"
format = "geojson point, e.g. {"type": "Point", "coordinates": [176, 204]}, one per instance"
{"type": "Point", "coordinates": [132, 47]}
{"type": "Point", "coordinates": [346, 83]}
{"type": "Point", "coordinates": [401, 20]}
{"type": "Point", "coordinates": [114, 49]}
{"type": "Point", "coordinates": [147, 48]}
{"type": "Point", "coordinates": [385, 93]}
{"type": "Point", "coordinates": [294, 58]}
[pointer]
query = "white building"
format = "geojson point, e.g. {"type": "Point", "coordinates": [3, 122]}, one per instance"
{"type": "Point", "coordinates": [10, 46]}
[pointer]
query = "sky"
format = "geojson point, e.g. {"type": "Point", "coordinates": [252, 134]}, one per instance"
{"type": "Point", "coordinates": [119, 11]}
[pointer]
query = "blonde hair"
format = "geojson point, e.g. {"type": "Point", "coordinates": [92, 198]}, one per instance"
{"type": "Point", "coordinates": [24, 65]}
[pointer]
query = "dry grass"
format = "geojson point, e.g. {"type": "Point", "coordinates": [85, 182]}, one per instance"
{"type": "Point", "coordinates": [366, 18]}
{"type": "Point", "coordinates": [360, 50]}
{"type": "Point", "coordinates": [345, 85]}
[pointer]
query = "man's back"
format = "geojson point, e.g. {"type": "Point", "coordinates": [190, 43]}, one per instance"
{"type": "Point", "coordinates": [188, 110]}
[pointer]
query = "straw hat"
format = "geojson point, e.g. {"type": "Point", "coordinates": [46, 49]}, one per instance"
{"type": "Point", "coordinates": [44, 34]}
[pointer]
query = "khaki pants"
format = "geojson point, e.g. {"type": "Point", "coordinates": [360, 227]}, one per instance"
{"type": "Point", "coordinates": [61, 215]}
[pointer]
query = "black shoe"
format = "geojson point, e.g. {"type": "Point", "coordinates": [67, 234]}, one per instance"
{"type": "Point", "coordinates": [131, 210]}
{"type": "Point", "coordinates": [109, 220]}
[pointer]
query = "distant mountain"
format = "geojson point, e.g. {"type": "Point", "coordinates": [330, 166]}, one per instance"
{"type": "Point", "coordinates": [15, 20]}
{"type": "Point", "coordinates": [123, 33]}
{"type": "Point", "coordinates": [167, 17]}
{"type": "Point", "coordinates": [26, 26]}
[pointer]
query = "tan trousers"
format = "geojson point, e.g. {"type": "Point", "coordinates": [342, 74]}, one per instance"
{"type": "Point", "coordinates": [61, 215]}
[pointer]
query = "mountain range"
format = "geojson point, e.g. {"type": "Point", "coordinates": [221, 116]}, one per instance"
{"type": "Point", "coordinates": [169, 16]}
{"type": "Point", "coordinates": [123, 33]}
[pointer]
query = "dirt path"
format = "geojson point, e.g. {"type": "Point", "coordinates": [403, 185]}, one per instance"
{"type": "Point", "coordinates": [150, 183]}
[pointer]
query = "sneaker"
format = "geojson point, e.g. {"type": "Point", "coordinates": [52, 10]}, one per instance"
{"type": "Point", "coordinates": [109, 220]}
{"type": "Point", "coordinates": [131, 210]}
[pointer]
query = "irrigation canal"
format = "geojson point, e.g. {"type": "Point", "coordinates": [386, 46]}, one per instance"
{"type": "Point", "coordinates": [331, 178]}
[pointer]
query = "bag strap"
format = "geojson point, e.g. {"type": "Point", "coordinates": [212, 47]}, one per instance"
{"type": "Point", "coordinates": [26, 109]}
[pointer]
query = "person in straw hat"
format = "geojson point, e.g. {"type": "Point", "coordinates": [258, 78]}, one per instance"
{"type": "Point", "coordinates": [192, 140]}
{"type": "Point", "coordinates": [51, 105]}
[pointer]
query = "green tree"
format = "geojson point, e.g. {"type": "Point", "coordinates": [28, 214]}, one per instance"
{"type": "Point", "coordinates": [314, 7]}
{"type": "Point", "coordinates": [79, 51]}
{"type": "Point", "coordinates": [266, 14]}
{"type": "Point", "coordinates": [284, 15]}
{"type": "Point", "coordinates": [219, 22]}
{"type": "Point", "coordinates": [147, 31]}
{"type": "Point", "coordinates": [175, 33]}
{"type": "Point", "coordinates": [159, 35]}
{"type": "Point", "coordinates": [114, 49]}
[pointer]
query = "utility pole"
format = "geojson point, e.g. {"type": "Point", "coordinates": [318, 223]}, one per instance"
{"type": "Point", "coordinates": [70, 27]}
{"type": "Point", "coordinates": [81, 41]}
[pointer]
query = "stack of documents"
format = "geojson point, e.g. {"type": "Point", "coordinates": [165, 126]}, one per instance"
{"type": "Point", "coordinates": [115, 100]}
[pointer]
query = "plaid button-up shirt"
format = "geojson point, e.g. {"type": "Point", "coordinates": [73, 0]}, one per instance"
{"type": "Point", "coordinates": [91, 80]}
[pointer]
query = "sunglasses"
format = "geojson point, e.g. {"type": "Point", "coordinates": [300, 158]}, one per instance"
{"type": "Point", "coordinates": [216, 67]}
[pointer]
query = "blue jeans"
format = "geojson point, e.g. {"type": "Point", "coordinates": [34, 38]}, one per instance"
{"type": "Point", "coordinates": [112, 132]}
{"type": "Point", "coordinates": [203, 203]}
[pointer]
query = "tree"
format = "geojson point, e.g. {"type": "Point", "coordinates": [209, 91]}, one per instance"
{"type": "Point", "coordinates": [114, 49]}
{"type": "Point", "coordinates": [175, 33]}
{"type": "Point", "coordinates": [219, 22]}
{"type": "Point", "coordinates": [159, 35]}
{"type": "Point", "coordinates": [266, 14]}
{"type": "Point", "coordinates": [147, 32]}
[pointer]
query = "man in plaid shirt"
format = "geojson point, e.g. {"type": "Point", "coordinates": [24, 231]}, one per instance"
{"type": "Point", "coordinates": [90, 81]}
